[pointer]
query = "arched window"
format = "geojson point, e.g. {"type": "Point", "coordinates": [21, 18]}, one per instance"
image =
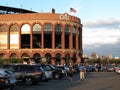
{"type": "Point", "coordinates": [74, 30]}
{"type": "Point", "coordinates": [47, 27]}
{"type": "Point", "coordinates": [25, 36]}
{"type": "Point", "coordinates": [58, 28]}
{"type": "Point", "coordinates": [3, 37]}
{"type": "Point", "coordinates": [47, 36]}
{"type": "Point", "coordinates": [36, 36]}
{"type": "Point", "coordinates": [74, 37]}
{"type": "Point", "coordinates": [67, 29]}
{"type": "Point", "coordinates": [67, 33]}
{"type": "Point", "coordinates": [58, 33]}
{"type": "Point", "coordinates": [36, 29]}
{"type": "Point", "coordinates": [14, 37]}
{"type": "Point", "coordinates": [25, 29]}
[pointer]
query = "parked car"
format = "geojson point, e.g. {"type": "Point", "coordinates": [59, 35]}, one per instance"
{"type": "Point", "coordinates": [47, 74]}
{"type": "Point", "coordinates": [7, 79]}
{"type": "Point", "coordinates": [64, 69]}
{"type": "Point", "coordinates": [117, 69]}
{"type": "Point", "coordinates": [110, 68]}
{"type": "Point", "coordinates": [27, 74]}
{"type": "Point", "coordinates": [56, 72]}
{"type": "Point", "coordinates": [90, 68]}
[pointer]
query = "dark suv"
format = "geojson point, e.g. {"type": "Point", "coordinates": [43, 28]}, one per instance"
{"type": "Point", "coordinates": [28, 74]}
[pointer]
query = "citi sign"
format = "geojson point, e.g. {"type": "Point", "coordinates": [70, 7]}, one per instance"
{"type": "Point", "coordinates": [64, 17]}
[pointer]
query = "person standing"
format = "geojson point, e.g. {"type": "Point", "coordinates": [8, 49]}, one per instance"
{"type": "Point", "coordinates": [82, 71]}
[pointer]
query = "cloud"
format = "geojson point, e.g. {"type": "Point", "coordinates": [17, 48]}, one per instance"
{"type": "Point", "coordinates": [110, 23]}
{"type": "Point", "coordinates": [102, 36]}
{"type": "Point", "coordinates": [101, 32]}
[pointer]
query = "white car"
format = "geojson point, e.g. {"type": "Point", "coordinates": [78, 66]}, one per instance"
{"type": "Point", "coordinates": [117, 69]}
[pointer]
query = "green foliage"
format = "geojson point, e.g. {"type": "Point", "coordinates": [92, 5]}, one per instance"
{"type": "Point", "coordinates": [11, 60]}
{"type": "Point", "coordinates": [105, 61]}
{"type": "Point", "coordinates": [15, 60]}
{"type": "Point", "coordinates": [2, 61]}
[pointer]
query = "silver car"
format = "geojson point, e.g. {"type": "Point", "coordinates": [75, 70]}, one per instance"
{"type": "Point", "coordinates": [47, 74]}
{"type": "Point", "coordinates": [7, 78]}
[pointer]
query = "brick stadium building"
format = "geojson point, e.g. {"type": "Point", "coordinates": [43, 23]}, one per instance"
{"type": "Point", "coordinates": [49, 37]}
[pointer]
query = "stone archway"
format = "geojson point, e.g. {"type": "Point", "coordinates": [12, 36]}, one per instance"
{"type": "Point", "coordinates": [67, 58]}
{"type": "Point", "coordinates": [58, 58]}
{"type": "Point", "coordinates": [2, 55]}
{"type": "Point", "coordinates": [13, 55]}
{"type": "Point", "coordinates": [74, 58]}
{"type": "Point", "coordinates": [36, 58]}
{"type": "Point", "coordinates": [25, 58]}
{"type": "Point", "coordinates": [48, 58]}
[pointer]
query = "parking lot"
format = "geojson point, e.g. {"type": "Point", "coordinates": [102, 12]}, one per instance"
{"type": "Point", "coordinates": [93, 81]}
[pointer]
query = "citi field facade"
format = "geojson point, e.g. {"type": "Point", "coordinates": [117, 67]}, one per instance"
{"type": "Point", "coordinates": [50, 37]}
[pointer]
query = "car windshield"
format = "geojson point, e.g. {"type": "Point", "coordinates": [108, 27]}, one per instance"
{"type": "Point", "coordinates": [52, 66]}
{"type": "Point", "coordinates": [110, 66]}
{"type": "Point", "coordinates": [41, 69]}
{"type": "Point", "coordinates": [46, 67]}
{"type": "Point", "coordinates": [8, 72]}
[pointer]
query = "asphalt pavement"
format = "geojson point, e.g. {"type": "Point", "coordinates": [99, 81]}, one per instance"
{"type": "Point", "coordinates": [93, 81]}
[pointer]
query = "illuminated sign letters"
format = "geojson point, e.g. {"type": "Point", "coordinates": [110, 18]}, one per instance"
{"type": "Point", "coordinates": [64, 17]}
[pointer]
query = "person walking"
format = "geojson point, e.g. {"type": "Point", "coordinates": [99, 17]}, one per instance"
{"type": "Point", "coordinates": [82, 71]}
{"type": "Point", "coordinates": [70, 72]}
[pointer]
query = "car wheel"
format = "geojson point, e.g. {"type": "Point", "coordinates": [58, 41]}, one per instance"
{"type": "Point", "coordinates": [28, 81]}
{"type": "Point", "coordinates": [57, 76]}
{"type": "Point", "coordinates": [43, 78]}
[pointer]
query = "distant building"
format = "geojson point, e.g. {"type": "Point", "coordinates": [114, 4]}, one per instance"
{"type": "Point", "coordinates": [50, 37]}
{"type": "Point", "coordinates": [94, 56]}
{"type": "Point", "coordinates": [85, 56]}
{"type": "Point", "coordinates": [103, 57]}
{"type": "Point", "coordinates": [110, 56]}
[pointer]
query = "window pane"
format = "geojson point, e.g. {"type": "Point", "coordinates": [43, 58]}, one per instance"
{"type": "Point", "coordinates": [14, 37]}
{"type": "Point", "coordinates": [25, 29]}
{"type": "Point", "coordinates": [3, 37]}
{"type": "Point", "coordinates": [47, 27]}
{"type": "Point", "coordinates": [36, 29]}
{"type": "Point", "coordinates": [58, 27]}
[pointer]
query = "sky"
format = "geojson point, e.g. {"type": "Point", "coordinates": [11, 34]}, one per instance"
{"type": "Point", "coordinates": [100, 20]}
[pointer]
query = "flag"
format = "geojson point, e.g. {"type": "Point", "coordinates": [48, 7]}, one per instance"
{"type": "Point", "coordinates": [72, 10]}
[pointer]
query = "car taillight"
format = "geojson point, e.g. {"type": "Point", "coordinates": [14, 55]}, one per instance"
{"type": "Point", "coordinates": [38, 72]}
{"type": "Point", "coordinates": [1, 81]}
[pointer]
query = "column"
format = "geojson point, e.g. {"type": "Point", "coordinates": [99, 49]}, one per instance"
{"type": "Point", "coordinates": [53, 37]}
{"type": "Point", "coordinates": [42, 37]}
{"type": "Point", "coordinates": [31, 37]}
{"type": "Point", "coordinates": [8, 38]}
{"type": "Point", "coordinates": [70, 39]}
{"type": "Point", "coordinates": [63, 38]}
{"type": "Point", "coordinates": [77, 38]}
{"type": "Point", "coordinates": [19, 35]}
